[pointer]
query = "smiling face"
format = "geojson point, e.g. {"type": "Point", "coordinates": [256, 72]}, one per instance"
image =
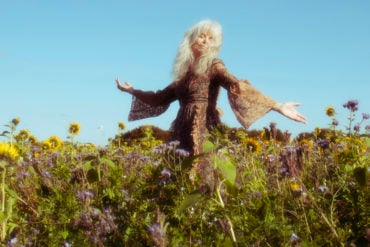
{"type": "Point", "coordinates": [202, 43]}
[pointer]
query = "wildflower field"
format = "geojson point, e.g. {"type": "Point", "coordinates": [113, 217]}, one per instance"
{"type": "Point", "coordinates": [260, 188]}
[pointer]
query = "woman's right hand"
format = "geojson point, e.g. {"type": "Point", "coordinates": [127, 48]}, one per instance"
{"type": "Point", "coordinates": [126, 87]}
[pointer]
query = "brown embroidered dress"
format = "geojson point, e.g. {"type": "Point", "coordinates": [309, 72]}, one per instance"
{"type": "Point", "coordinates": [197, 95]}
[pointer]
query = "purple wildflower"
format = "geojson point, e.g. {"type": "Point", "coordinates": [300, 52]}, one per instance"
{"type": "Point", "coordinates": [46, 174]}
{"type": "Point", "coordinates": [85, 195]}
{"type": "Point", "coordinates": [155, 228]}
{"type": "Point", "coordinates": [290, 148]}
{"type": "Point", "coordinates": [12, 242]}
{"type": "Point", "coordinates": [294, 238]}
{"type": "Point", "coordinates": [271, 158]}
{"type": "Point", "coordinates": [323, 188]}
{"type": "Point", "coordinates": [335, 122]}
{"type": "Point", "coordinates": [367, 127]}
{"type": "Point", "coordinates": [365, 116]}
{"type": "Point", "coordinates": [182, 152]}
{"type": "Point", "coordinates": [166, 173]}
{"type": "Point", "coordinates": [356, 127]}
{"type": "Point", "coordinates": [174, 143]}
{"type": "Point", "coordinates": [158, 234]}
{"type": "Point", "coordinates": [66, 244]}
{"type": "Point", "coordinates": [159, 149]}
{"type": "Point", "coordinates": [284, 171]}
{"type": "Point", "coordinates": [323, 143]}
{"type": "Point", "coordinates": [351, 105]}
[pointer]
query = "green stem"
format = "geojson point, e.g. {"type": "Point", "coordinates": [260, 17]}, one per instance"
{"type": "Point", "coordinates": [330, 224]}
{"type": "Point", "coordinates": [232, 233]}
{"type": "Point", "coordinates": [3, 224]}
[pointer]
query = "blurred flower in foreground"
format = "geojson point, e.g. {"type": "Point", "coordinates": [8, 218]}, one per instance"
{"type": "Point", "coordinates": [8, 152]}
{"type": "Point", "coordinates": [74, 128]}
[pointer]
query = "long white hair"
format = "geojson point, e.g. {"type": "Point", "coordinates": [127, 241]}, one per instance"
{"type": "Point", "coordinates": [185, 58]}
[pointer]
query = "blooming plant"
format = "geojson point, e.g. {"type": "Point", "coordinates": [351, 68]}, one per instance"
{"type": "Point", "coordinates": [254, 188]}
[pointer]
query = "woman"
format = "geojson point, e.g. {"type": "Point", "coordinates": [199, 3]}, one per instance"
{"type": "Point", "coordinates": [197, 77]}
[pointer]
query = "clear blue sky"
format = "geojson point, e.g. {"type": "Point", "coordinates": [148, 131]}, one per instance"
{"type": "Point", "coordinates": [58, 59]}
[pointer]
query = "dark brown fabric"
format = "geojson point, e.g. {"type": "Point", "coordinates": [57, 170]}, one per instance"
{"type": "Point", "coordinates": [197, 95]}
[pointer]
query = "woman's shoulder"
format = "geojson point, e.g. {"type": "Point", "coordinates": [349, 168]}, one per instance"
{"type": "Point", "coordinates": [217, 66]}
{"type": "Point", "coordinates": [217, 61]}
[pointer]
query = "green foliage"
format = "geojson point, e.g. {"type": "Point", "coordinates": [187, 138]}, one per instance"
{"type": "Point", "coordinates": [138, 191]}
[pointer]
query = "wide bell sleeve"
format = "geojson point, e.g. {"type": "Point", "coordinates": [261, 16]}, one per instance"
{"type": "Point", "coordinates": [151, 104]}
{"type": "Point", "coordinates": [248, 103]}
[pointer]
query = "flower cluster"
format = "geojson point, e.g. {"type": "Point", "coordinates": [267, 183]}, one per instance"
{"type": "Point", "coordinates": [351, 105]}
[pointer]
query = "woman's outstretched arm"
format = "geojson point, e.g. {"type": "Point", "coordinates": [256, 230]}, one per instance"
{"type": "Point", "coordinates": [288, 110]}
{"type": "Point", "coordinates": [127, 87]}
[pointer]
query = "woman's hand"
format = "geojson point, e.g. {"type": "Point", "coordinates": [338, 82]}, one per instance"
{"type": "Point", "coordinates": [289, 111]}
{"type": "Point", "coordinates": [125, 88]}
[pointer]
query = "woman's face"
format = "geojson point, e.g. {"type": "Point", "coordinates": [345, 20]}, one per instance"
{"type": "Point", "coordinates": [201, 44]}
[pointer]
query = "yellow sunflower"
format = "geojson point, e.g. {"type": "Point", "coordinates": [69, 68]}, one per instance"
{"type": "Point", "coordinates": [32, 139]}
{"type": "Point", "coordinates": [15, 121]}
{"type": "Point", "coordinates": [8, 152]}
{"type": "Point", "coordinates": [46, 145]}
{"type": "Point", "coordinates": [306, 143]}
{"type": "Point", "coordinates": [74, 128]}
{"type": "Point", "coordinates": [252, 145]}
{"type": "Point", "coordinates": [55, 142]}
{"type": "Point", "coordinates": [22, 135]}
{"type": "Point", "coordinates": [330, 111]}
{"type": "Point", "coordinates": [121, 126]}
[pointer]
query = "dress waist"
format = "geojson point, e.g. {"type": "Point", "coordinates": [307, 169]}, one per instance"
{"type": "Point", "coordinates": [196, 99]}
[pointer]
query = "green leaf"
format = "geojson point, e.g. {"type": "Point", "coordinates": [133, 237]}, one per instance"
{"type": "Point", "coordinates": [110, 163]}
{"type": "Point", "coordinates": [64, 234]}
{"type": "Point", "coordinates": [189, 201]}
{"type": "Point", "coordinates": [87, 165]}
{"type": "Point", "coordinates": [10, 226]}
{"type": "Point", "coordinates": [5, 133]}
{"type": "Point", "coordinates": [208, 146]}
{"type": "Point", "coordinates": [227, 168]}
{"type": "Point", "coordinates": [367, 141]}
{"type": "Point", "coordinates": [3, 217]}
{"type": "Point", "coordinates": [227, 242]}
{"type": "Point", "coordinates": [360, 175]}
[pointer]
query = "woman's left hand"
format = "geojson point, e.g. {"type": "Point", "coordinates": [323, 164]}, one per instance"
{"type": "Point", "coordinates": [288, 110]}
